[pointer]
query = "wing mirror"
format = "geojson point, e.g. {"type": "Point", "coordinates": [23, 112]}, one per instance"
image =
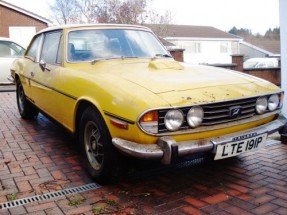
{"type": "Point", "coordinates": [43, 65]}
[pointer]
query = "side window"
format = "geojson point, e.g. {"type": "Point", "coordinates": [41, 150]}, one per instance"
{"type": "Point", "coordinates": [10, 49]}
{"type": "Point", "coordinates": [33, 48]}
{"type": "Point", "coordinates": [51, 46]}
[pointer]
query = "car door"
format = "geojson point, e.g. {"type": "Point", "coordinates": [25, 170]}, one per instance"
{"type": "Point", "coordinates": [28, 66]}
{"type": "Point", "coordinates": [46, 75]}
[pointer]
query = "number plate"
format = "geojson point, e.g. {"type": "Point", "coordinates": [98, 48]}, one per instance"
{"type": "Point", "coordinates": [237, 147]}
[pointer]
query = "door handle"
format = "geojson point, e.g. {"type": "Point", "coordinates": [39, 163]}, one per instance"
{"type": "Point", "coordinates": [32, 74]}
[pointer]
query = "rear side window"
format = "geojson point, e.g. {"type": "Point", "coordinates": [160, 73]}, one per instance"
{"type": "Point", "coordinates": [50, 50]}
{"type": "Point", "coordinates": [33, 48]}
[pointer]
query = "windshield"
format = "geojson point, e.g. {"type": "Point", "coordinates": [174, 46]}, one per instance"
{"type": "Point", "coordinates": [250, 64]}
{"type": "Point", "coordinates": [89, 45]}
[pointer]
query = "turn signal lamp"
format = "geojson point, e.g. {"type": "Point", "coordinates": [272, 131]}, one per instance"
{"type": "Point", "coordinates": [149, 122]}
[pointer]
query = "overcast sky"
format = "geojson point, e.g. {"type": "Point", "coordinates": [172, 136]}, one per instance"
{"type": "Point", "coordinates": [257, 15]}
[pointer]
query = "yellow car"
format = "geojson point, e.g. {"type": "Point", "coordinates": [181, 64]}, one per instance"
{"type": "Point", "coordinates": [120, 92]}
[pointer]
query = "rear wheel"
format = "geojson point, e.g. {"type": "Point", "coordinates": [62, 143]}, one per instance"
{"type": "Point", "coordinates": [96, 146]}
{"type": "Point", "coordinates": [26, 109]}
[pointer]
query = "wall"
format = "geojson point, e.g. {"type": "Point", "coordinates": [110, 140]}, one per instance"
{"type": "Point", "coordinates": [206, 51]}
{"type": "Point", "coordinates": [177, 54]}
{"type": "Point", "coordinates": [270, 74]}
{"type": "Point", "coordinates": [12, 18]}
{"type": "Point", "coordinates": [251, 52]}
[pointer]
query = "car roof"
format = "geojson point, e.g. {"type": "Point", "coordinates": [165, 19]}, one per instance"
{"type": "Point", "coordinates": [80, 26]}
{"type": "Point", "coordinates": [262, 59]}
{"type": "Point", "coordinates": [12, 41]}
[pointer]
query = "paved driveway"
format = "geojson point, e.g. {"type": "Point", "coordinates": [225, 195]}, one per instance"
{"type": "Point", "coordinates": [41, 173]}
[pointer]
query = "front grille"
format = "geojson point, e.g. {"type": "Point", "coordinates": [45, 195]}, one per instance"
{"type": "Point", "coordinates": [216, 113]}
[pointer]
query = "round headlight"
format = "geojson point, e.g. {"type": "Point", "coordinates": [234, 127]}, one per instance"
{"type": "Point", "coordinates": [173, 120]}
{"type": "Point", "coordinates": [195, 116]}
{"type": "Point", "coordinates": [261, 105]}
{"type": "Point", "coordinates": [273, 102]}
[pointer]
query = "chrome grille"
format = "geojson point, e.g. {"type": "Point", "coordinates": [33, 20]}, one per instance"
{"type": "Point", "coordinates": [216, 113]}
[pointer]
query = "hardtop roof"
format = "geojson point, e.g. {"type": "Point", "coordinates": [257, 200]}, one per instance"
{"type": "Point", "coordinates": [88, 26]}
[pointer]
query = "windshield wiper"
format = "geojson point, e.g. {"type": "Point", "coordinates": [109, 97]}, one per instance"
{"type": "Point", "coordinates": [124, 57]}
{"type": "Point", "coordinates": [111, 58]}
{"type": "Point", "coordinates": [162, 56]}
{"type": "Point", "coordinates": [98, 59]}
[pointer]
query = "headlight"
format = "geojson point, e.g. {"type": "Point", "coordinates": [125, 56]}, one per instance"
{"type": "Point", "coordinates": [273, 102]}
{"type": "Point", "coordinates": [173, 120]}
{"type": "Point", "coordinates": [261, 105]}
{"type": "Point", "coordinates": [195, 116]}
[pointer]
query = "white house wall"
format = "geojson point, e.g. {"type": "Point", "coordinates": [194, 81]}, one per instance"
{"type": "Point", "coordinates": [210, 51]}
{"type": "Point", "coordinates": [249, 52]}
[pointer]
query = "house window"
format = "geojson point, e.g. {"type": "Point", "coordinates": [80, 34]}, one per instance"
{"type": "Point", "coordinates": [224, 47]}
{"type": "Point", "coordinates": [193, 47]}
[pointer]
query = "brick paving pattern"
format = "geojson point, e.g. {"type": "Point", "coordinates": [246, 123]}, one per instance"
{"type": "Point", "coordinates": [37, 157]}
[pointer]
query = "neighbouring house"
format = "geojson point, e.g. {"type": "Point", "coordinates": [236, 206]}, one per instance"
{"type": "Point", "coordinates": [201, 44]}
{"type": "Point", "coordinates": [260, 48]}
{"type": "Point", "coordinates": [19, 24]}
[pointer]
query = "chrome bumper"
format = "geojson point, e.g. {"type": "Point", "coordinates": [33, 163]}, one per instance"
{"type": "Point", "coordinates": [167, 149]}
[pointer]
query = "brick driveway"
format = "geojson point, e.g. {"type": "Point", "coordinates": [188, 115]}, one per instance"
{"type": "Point", "coordinates": [37, 157]}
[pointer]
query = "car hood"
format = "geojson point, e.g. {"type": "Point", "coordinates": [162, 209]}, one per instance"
{"type": "Point", "coordinates": [180, 84]}
{"type": "Point", "coordinates": [164, 76]}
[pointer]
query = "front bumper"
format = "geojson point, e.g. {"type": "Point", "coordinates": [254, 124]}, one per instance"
{"type": "Point", "coordinates": [167, 149]}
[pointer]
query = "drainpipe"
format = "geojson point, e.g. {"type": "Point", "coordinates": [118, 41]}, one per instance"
{"type": "Point", "coordinates": [283, 43]}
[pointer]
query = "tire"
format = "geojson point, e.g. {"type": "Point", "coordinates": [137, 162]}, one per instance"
{"type": "Point", "coordinates": [99, 155]}
{"type": "Point", "coordinates": [25, 108]}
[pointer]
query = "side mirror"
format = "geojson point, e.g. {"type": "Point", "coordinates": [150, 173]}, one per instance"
{"type": "Point", "coordinates": [43, 65]}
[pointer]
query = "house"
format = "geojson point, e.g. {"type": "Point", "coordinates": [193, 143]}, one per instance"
{"type": "Point", "coordinates": [19, 24]}
{"type": "Point", "coordinates": [202, 44]}
{"type": "Point", "coordinates": [260, 48]}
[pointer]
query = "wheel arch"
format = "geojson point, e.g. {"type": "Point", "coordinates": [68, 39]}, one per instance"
{"type": "Point", "coordinates": [16, 78]}
{"type": "Point", "coordinates": [82, 105]}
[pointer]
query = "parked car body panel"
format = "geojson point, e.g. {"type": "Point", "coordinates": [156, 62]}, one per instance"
{"type": "Point", "coordinates": [9, 51]}
{"type": "Point", "coordinates": [257, 63]}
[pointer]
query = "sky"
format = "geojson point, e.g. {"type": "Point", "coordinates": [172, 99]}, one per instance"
{"type": "Point", "coordinates": [256, 15]}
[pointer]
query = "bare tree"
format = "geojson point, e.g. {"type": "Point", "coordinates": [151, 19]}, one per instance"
{"type": "Point", "coordinates": [91, 10]}
{"type": "Point", "coordinates": [159, 23]}
{"type": "Point", "coordinates": [122, 11]}
{"type": "Point", "coordinates": [65, 11]}
{"type": "Point", "coordinates": [105, 11]}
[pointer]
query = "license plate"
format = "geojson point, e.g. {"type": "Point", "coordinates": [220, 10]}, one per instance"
{"type": "Point", "coordinates": [237, 147]}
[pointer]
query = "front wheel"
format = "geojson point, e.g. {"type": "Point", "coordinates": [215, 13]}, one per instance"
{"type": "Point", "coordinates": [26, 109]}
{"type": "Point", "coordinates": [99, 156]}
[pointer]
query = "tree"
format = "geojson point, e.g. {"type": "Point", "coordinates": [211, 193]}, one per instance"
{"type": "Point", "coordinates": [160, 23]}
{"type": "Point", "coordinates": [273, 34]}
{"type": "Point", "coordinates": [106, 11]}
{"type": "Point", "coordinates": [65, 11]}
{"type": "Point", "coordinates": [89, 9]}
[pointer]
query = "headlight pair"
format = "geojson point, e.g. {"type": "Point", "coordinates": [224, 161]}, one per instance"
{"type": "Point", "coordinates": [263, 103]}
{"type": "Point", "coordinates": [174, 119]}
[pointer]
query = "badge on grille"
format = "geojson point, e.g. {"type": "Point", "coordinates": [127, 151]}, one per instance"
{"type": "Point", "coordinates": [234, 112]}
